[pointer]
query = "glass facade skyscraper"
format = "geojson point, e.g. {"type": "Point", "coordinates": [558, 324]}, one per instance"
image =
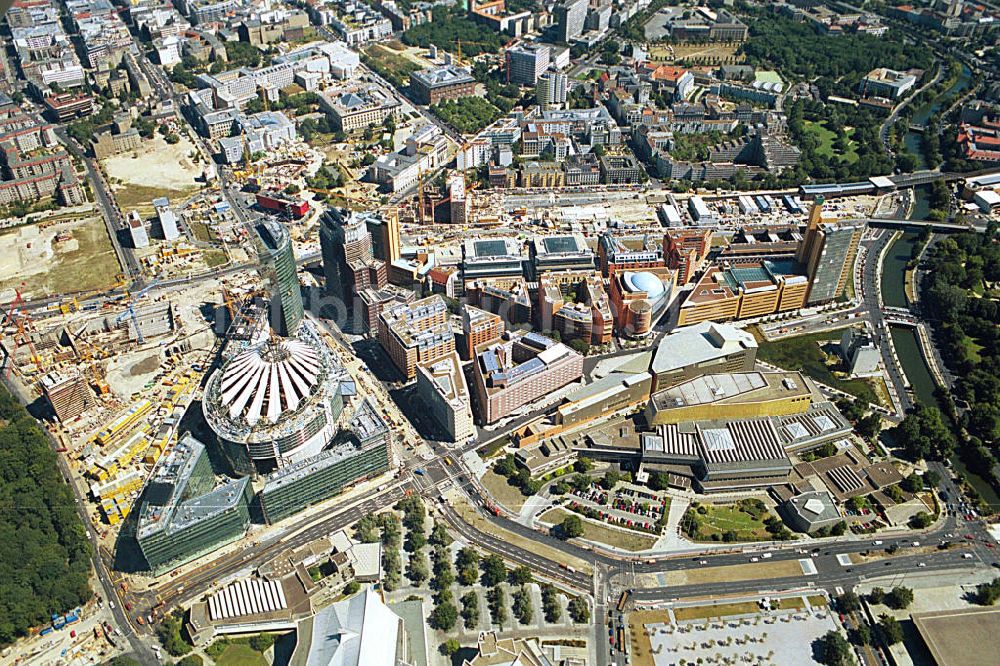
{"type": "Point", "coordinates": [279, 260]}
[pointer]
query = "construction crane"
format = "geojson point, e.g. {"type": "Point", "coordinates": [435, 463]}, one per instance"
{"type": "Point", "coordinates": [17, 316]}
{"type": "Point", "coordinates": [130, 310]}
{"type": "Point", "coordinates": [87, 355]}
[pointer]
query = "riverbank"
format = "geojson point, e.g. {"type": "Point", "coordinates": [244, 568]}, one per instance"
{"type": "Point", "coordinates": [912, 348]}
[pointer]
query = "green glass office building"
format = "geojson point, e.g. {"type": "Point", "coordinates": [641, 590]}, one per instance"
{"type": "Point", "coordinates": [184, 515]}
{"type": "Point", "coordinates": [279, 260]}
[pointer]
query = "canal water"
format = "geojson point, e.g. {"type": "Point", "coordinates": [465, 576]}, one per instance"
{"type": "Point", "coordinates": [904, 339]}
{"type": "Point", "coordinates": [912, 139]}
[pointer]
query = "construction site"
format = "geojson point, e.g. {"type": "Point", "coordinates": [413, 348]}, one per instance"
{"type": "Point", "coordinates": [167, 170]}
{"type": "Point", "coordinates": [116, 373]}
{"type": "Point", "coordinates": [69, 248]}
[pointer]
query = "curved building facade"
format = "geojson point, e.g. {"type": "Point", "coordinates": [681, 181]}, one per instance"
{"type": "Point", "coordinates": [640, 299]}
{"type": "Point", "coordinates": [275, 402]}
{"type": "Point", "coordinates": [279, 260]}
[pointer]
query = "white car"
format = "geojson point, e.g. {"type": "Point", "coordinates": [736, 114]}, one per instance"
{"type": "Point", "coordinates": [766, 556]}
{"type": "Point", "coordinates": [703, 562]}
{"type": "Point", "coordinates": [922, 564]}
{"type": "Point", "coordinates": [755, 559]}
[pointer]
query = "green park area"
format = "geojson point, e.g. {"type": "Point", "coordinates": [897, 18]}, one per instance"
{"type": "Point", "coordinates": [805, 354]}
{"type": "Point", "coordinates": [744, 521]}
{"type": "Point", "coordinates": [240, 655]}
{"type": "Point", "coordinates": [600, 533]}
{"type": "Point", "coordinates": [390, 63]}
{"type": "Point", "coordinates": [827, 141]}
{"type": "Point", "coordinates": [241, 651]}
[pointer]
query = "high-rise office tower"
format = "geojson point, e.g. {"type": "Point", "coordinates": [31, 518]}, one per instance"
{"type": "Point", "coordinates": [279, 262]}
{"type": "Point", "coordinates": [385, 236]}
{"type": "Point", "coordinates": [570, 16]}
{"type": "Point", "coordinates": [827, 252]}
{"type": "Point", "coordinates": [550, 91]}
{"type": "Point", "coordinates": [526, 63]}
{"type": "Point", "coordinates": [346, 245]}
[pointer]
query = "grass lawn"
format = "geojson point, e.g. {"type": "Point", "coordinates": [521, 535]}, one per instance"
{"type": "Point", "coordinates": [732, 573]}
{"type": "Point", "coordinates": [642, 650]}
{"type": "Point", "coordinates": [140, 197]}
{"type": "Point", "coordinates": [93, 265]}
{"type": "Point", "coordinates": [594, 531]}
{"type": "Point", "coordinates": [725, 517]}
{"type": "Point", "coordinates": [716, 610]}
{"type": "Point", "coordinates": [803, 353]}
{"type": "Point", "coordinates": [214, 258]}
{"type": "Point", "coordinates": [826, 138]}
{"type": "Point", "coordinates": [494, 448]}
{"type": "Point", "coordinates": [241, 655]}
{"type": "Point", "coordinates": [503, 492]}
{"type": "Point", "coordinates": [202, 232]}
{"type": "Point", "coordinates": [799, 603]}
{"type": "Point", "coordinates": [391, 64]}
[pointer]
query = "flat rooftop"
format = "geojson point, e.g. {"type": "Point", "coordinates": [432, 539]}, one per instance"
{"type": "Point", "coordinates": [696, 344]}
{"type": "Point", "coordinates": [960, 637]}
{"type": "Point", "coordinates": [487, 248]}
{"type": "Point", "coordinates": [732, 388]}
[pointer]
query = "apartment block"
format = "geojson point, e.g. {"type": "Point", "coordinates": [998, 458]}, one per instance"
{"type": "Point", "coordinates": [518, 371]}
{"type": "Point", "coordinates": [478, 328]}
{"type": "Point", "coordinates": [442, 388]}
{"type": "Point", "coordinates": [576, 305]}
{"type": "Point", "coordinates": [416, 333]}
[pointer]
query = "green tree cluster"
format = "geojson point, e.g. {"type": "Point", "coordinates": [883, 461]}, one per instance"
{"type": "Point", "coordinates": [802, 51]}
{"type": "Point", "coordinates": [550, 604]}
{"type": "Point", "coordinates": [494, 570]}
{"type": "Point", "coordinates": [899, 598]}
{"type": "Point", "coordinates": [570, 527]}
{"type": "Point", "coordinates": [923, 434]}
{"type": "Point", "coordinates": [963, 312]}
{"type": "Point", "coordinates": [470, 609]}
{"type": "Point", "coordinates": [44, 551]}
{"type": "Point", "coordinates": [466, 114]}
{"type": "Point", "coordinates": [522, 607]}
{"type": "Point", "coordinates": [834, 650]}
{"type": "Point", "coordinates": [496, 601]}
{"type": "Point", "coordinates": [467, 563]}
{"type": "Point", "coordinates": [988, 593]}
{"type": "Point", "coordinates": [171, 634]}
{"type": "Point", "coordinates": [451, 26]}
{"type": "Point", "coordinates": [327, 178]}
{"type": "Point", "coordinates": [392, 565]}
{"type": "Point", "coordinates": [517, 476]}
{"type": "Point", "coordinates": [242, 54]}
{"type": "Point", "coordinates": [579, 610]}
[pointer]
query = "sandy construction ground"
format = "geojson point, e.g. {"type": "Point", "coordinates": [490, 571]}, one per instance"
{"type": "Point", "coordinates": [156, 164]}
{"type": "Point", "coordinates": [45, 266]}
{"type": "Point", "coordinates": [157, 169]}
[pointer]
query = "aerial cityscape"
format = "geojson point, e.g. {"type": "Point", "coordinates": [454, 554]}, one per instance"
{"type": "Point", "coordinates": [499, 332]}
